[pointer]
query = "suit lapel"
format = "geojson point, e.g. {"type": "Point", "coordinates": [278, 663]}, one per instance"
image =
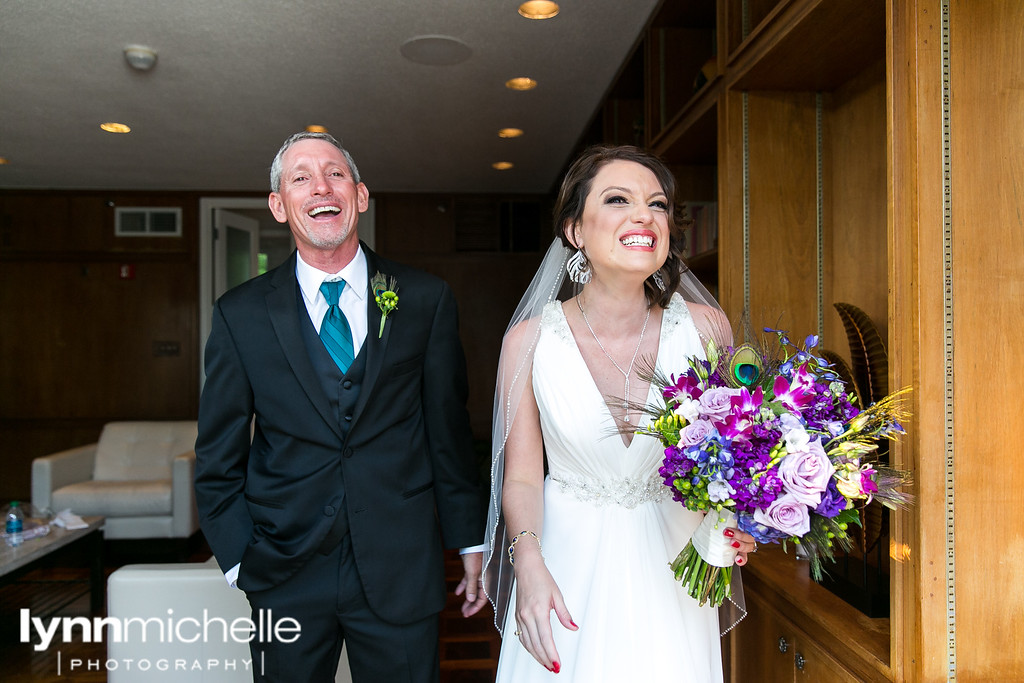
{"type": "Point", "coordinates": [283, 309]}
{"type": "Point", "coordinates": [375, 345]}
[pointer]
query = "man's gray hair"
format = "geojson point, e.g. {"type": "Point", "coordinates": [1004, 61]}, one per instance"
{"type": "Point", "coordinates": [275, 168]}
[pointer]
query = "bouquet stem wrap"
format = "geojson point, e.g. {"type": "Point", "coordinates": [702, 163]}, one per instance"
{"type": "Point", "coordinates": [705, 565]}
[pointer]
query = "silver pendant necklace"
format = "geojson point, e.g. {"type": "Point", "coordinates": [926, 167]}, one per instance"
{"type": "Point", "coordinates": [625, 373]}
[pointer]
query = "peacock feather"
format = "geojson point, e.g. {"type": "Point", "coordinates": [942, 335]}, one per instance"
{"type": "Point", "coordinates": [867, 351]}
{"type": "Point", "coordinates": [746, 365]}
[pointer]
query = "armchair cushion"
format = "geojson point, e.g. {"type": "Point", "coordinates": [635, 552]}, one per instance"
{"type": "Point", "coordinates": [116, 498]}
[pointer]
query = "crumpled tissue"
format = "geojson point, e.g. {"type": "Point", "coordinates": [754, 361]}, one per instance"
{"type": "Point", "coordinates": [69, 520]}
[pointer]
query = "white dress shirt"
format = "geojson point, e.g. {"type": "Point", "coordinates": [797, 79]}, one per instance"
{"type": "Point", "coordinates": [353, 296]}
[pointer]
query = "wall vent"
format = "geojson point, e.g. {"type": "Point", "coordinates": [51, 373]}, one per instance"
{"type": "Point", "coordinates": [143, 221]}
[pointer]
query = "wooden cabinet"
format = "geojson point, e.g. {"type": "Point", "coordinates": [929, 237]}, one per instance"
{"type": "Point", "coordinates": [869, 152]}
{"type": "Point", "coordinates": [772, 649]}
{"type": "Point", "coordinates": [823, 638]}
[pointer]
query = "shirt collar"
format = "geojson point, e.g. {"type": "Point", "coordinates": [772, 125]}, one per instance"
{"type": "Point", "coordinates": [354, 275]}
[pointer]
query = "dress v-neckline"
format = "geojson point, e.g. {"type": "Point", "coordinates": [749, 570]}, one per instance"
{"type": "Point", "coordinates": [644, 417]}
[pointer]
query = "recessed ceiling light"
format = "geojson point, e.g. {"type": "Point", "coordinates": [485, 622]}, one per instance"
{"type": "Point", "coordinates": [502, 165]}
{"type": "Point", "coordinates": [521, 83]}
{"type": "Point", "coordinates": [140, 57]}
{"type": "Point", "coordinates": [115, 127]}
{"type": "Point", "coordinates": [316, 129]}
{"type": "Point", "coordinates": [509, 133]}
{"type": "Point", "coordinates": [435, 50]}
{"type": "Point", "coordinates": [538, 9]}
{"type": "Point", "coordinates": [3, 160]}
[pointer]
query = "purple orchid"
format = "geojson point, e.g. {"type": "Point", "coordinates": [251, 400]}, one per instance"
{"type": "Point", "coordinates": [798, 393]}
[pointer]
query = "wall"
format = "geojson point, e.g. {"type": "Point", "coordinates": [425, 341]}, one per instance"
{"type": "Point", "coordinates": [81, 345]}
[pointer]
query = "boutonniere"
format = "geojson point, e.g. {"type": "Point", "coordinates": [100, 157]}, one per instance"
{"type": "Point", "coordinates": [385, 293]}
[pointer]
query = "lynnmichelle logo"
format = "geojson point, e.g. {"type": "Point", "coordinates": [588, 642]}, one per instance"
{"type": "Point", "coordinates": [157, 631]}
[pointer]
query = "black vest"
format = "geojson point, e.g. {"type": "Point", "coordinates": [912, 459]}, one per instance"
{"type": "Point", "coordinates": [342, 391]}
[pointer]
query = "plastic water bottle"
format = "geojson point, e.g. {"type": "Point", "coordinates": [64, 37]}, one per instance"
{"type": "Point", "coordinates": [15, 524]}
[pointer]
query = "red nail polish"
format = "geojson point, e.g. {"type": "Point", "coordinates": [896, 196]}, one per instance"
{"type": "Point", "coordinates": [556, 667]}
{"type": "Point", "coordinates": [740, 560]}
{"type": "Point", "coordinates": [573, 623]}
{"type": "Point", "coordinates": [729, 532]}
{"type": "Point", "coordinates": [735, 544]}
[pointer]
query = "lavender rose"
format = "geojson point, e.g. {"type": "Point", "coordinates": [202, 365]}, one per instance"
{"type": "Point", "coordinates": [696, 433]}
{"type": "Point", "coordinates": [786, 514]}
{"type": "Point", "coordinates": [805, 473]}
{"type": "Point", "coordinates": [716, 403]}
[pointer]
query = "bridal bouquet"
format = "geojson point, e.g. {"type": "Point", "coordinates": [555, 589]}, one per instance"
{"type": "Point", "coordinates": [766, 437]}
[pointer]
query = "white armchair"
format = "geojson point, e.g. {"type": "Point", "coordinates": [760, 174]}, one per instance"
{"type": "Point", "coordinates": [138, 475]}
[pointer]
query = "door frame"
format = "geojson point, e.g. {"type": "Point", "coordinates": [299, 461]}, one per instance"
{"type": "Point", "coordinates": [207, 206]}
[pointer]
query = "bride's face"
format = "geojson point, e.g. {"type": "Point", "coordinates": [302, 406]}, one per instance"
{"type": "Point", "coordinates": [624, 228]}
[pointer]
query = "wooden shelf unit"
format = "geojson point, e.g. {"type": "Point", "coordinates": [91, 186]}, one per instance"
{"type": "Point", "coordinates": [866, 151]}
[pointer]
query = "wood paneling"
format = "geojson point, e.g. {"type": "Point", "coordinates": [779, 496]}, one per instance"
{"type": "Point", "coordinates": [487, 288]}
{"type": "Point", "coordinates": [82, 346]}
{"type": "Point", "coordinates": [987, 177]}
{"type": "Point", "coordinates": [984, 276]}
{"type": "Point", "coordinates": [415, 224]}
{"type": "Point", "coordinates": [730, 204]}
{"type": "Point", "coordinates": [856, 259]}
{"type": "Point", "coordinates": [783, 191]}
{"type": "Point", "coordinates": [90, 339]}
{"type": "Point", "coordinates": [81, 343]}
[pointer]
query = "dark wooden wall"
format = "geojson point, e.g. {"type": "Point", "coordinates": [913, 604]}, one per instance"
{"type": "Point", "coordinates": [79, 343]}
{"type": "Point", "coordinates": [82, 345]}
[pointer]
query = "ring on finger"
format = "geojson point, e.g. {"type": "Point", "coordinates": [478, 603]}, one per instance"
{"type": "Point", "coordinates": [518, 633]}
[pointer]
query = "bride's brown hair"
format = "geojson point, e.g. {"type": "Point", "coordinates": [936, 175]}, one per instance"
{"type": "Point", "coordinates": [573, 195]}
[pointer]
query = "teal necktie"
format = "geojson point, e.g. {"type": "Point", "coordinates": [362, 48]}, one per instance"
{"type": "Point", "coordinates": [334, 330]}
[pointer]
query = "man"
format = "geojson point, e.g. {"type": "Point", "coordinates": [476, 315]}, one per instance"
{"type": "Point", "coordinates": [330, 474]}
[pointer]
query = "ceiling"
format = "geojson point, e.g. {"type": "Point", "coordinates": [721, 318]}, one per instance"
{"type": "Point", "coordinates": [234, 78]}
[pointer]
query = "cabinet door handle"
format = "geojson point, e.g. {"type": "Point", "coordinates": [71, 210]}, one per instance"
{"type": "Point", "coordinates": [783, 645]}
{"type": "Point", "coordinates": [799, 661]}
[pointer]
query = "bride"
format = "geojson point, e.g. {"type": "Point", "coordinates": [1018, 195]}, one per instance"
{"type": "Point", "coordinates": [582, 527]}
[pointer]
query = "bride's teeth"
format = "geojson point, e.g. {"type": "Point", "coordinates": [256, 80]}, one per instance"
{"type": "Point", "coordinates": [638, 240]}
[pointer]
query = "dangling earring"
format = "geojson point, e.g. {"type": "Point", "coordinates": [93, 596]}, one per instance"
{"type": "Point", "coordinates": [658, 280]}
{"type": "Point", "coordinates": [579, 268]}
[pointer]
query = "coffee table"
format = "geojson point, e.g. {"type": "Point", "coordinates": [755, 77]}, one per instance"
{"type": "Point", "coordinates": [15, 562]}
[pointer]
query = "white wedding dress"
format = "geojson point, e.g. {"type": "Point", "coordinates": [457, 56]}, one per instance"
{"type": "Point", "coordinates": [611, 529]}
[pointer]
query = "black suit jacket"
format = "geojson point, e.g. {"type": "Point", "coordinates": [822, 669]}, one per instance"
{"type": "Point", "coordinates": [406, 465]}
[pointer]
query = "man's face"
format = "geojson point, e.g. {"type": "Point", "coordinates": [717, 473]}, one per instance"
{"type": "Point", "coordinates": [318, 197]}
